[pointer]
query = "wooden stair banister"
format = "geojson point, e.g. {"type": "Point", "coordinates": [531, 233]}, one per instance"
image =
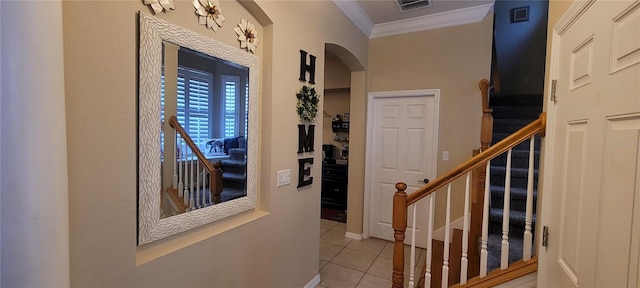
{"type": "Point", "coordinates": [535, 127]}
{"type": "Point", "coordinates": [215, 174]}
{"type": "Point", "coordinates": [401, 201]}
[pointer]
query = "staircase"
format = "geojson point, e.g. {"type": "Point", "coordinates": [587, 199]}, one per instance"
{"type": "Point", "coordinates": [511, 113]}
{"type": "Point", "coordinates": [234, 172]}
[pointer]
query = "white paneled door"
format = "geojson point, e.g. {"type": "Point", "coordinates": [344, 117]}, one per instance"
{"type": "Point", "coordinates": [403, 149]}
{"type": "Point", "coordinates": [592, 183]}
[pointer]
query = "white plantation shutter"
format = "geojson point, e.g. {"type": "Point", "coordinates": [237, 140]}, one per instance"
{"type": "Point", "coordinates": [194, 88]}
{"type": "Point", "coordinates": [231, 89]}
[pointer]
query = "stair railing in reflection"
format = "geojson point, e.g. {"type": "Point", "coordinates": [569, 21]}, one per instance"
{"type": "Point", "coordinates": [402, 201]}
{"type": "Point", "coordinates": [196, 182]}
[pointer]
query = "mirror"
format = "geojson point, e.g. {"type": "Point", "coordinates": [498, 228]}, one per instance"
{"type": "Point", "coordinates": [197, 137]}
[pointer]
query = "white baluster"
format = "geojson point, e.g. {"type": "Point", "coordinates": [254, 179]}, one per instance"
{"type": "Point", "coordinates": [485, 222]}
{"type": "Point", "coordinates": [191, 180]}
{"type": "Point", "coordinates": [447, 232]}
{"type": "Point", "coordinates": [528, 236]}
{"type": "Point", "coordinates": [198, 191]}
{"type": "Point", "coordinates": [413, 248]}
{"type": "Point", "coordinates": [180, 168]}
{"type": "Point", "coordinates": [185, 169]}
{"type": "Point", "coordinates": [427, 274]}
{"type": "Point", "coordinates": [175, 160]}
{"type": "Point", "coordinates": [464, 262]}
{"type": "Point", "coordinates": [204, 188]}
{"type": "Point", "coordinates": [504, 253]}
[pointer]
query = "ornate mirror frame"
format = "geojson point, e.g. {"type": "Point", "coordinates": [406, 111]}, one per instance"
{"type": "Point", "coordinates": [153, 31]}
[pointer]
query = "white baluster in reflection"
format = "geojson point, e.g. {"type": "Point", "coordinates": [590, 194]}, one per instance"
{"type": "Point", "coordinates": [198, 190]}
{"type": "Point", "coordinates": [528, 236]}
{"type": "Point", "coordinates": [485, 223]}
{"type": "Point", "coordinates": [504, 252]}
{"type": "Point", "coordinates": [180, 175]}
{"type": "Point", "coordinates": [191, 181]}
{"type": "Point", "coordinates": [186, 178]}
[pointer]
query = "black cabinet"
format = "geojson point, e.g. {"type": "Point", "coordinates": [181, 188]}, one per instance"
{"type": "Point", "coordinates": [334, 186]}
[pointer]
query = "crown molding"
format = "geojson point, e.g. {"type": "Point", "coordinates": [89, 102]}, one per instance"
{"type": "Point", "coordinates": [433, 21]}
{"type": "Point", "coordinates": [355, 13]}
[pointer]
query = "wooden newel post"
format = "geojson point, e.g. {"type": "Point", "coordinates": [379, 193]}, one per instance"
{"type": "Point", "coordinates": [486, 124]}
{"type": "Point", "coordinates": [399, 224]}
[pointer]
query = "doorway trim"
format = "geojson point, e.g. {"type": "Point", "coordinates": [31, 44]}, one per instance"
{"type": "Point", "coordinates": [371, 100]}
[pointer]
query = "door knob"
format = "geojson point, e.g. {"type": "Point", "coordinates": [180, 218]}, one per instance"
{"type": "Point", "coordinates": [425, 180]}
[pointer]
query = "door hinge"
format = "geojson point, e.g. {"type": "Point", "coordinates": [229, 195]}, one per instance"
{"type": "Point", "coordinates": [554, 90]}
{"type": "Point", "coordinates": [545, 236]}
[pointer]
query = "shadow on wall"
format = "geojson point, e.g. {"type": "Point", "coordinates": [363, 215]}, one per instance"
{"type": "Point", "coordinates": [521, 46]}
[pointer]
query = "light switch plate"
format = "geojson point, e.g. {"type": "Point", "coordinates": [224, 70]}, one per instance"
{"type": "Point", "coordinates": [284, 177]}
{"type": "Point", "coordinates": [445, 155]}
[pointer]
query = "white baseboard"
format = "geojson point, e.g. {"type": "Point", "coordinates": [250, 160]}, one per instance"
{"type": "Point", "coordinates": [354, 236]}
{"type": "Point", "coordinates": [527, 281]}
{"type": "Point", "coordinates": [314, 282]}
{"type": "Point", "coordinates": [456, 224]}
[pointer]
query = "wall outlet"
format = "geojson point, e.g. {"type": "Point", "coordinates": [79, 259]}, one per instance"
{"type": "Point", "coordinates": [284, 177]}
{"type": "Point", "coordinates": [445, 155]}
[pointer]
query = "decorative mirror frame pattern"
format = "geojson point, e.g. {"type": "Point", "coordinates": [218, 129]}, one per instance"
{"type": "Point", "coordinates": [153, 31]}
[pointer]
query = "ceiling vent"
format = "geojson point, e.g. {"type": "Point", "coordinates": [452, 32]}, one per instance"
{"type": "Point", "coordinates": [409, 5]}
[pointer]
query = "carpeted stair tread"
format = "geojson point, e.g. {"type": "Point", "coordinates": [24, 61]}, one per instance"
{"type": "Point", "coordinates": [234, 163]}
{"type": "Point", "coordinates": [516, 193]}
{"type": "Point", "coordinates": [519, 159]}
{"type": "Point", "coordinates": [494, 248]}
{"type": "Point", "coordinates": [510, 125]}
{"type": "Point", "coordinates": [516, 172]}
{"type": "Point", "coordinates": [516, 222]}
{"type": "Point", "coordinates": [515, 112]}
{"type": "Point", "coordinates": [227, 176]}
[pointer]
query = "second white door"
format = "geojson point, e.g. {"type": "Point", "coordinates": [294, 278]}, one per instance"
{"type": "Point", "coordinates": [403, 134]}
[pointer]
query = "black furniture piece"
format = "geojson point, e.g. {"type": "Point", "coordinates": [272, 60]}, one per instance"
{"type": "Point", "coordinates": [334, 186]}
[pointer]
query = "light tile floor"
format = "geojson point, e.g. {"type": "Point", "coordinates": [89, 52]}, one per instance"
{"type": "Point", "coordinates": [347, 263]}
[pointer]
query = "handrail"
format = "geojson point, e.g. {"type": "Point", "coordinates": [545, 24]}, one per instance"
{"type": "Point", "coordinates": [537, 126]}
{"type": "Point", "coordinates": [173, 122]}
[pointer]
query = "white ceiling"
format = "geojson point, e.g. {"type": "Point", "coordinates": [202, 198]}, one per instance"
{"type": "Point", "coordinates": [378, 18]}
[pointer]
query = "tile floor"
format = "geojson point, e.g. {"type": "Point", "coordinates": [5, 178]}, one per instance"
{"type": "Point", "coordinates": [348, 263]}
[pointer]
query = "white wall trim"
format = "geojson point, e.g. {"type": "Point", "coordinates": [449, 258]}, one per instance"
{"type": "Point", "coordinates": [354, 236]}
{"type": "Point", "coordinates": [432, 21]}
{"type": "Point", "coordinates": [366, 221]}
{"type": "Point", "coordinates": [355, 13]}
{"type": "Point", "coordinates": [314, 282]}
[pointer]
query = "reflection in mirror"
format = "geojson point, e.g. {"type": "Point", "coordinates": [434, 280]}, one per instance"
{"type": "Point", "coordinates": [204, 111]}
{"type": "Point", "coordinates": [197, 130]}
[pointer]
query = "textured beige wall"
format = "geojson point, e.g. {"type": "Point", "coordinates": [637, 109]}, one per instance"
{"type": "Point", "coordinates": [279, 249]}
{"type": "Point", "coordinates": [454, 60]}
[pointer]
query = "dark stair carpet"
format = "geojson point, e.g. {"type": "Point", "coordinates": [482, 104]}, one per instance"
{"type": "Point", "coordinates": [511, 113]}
